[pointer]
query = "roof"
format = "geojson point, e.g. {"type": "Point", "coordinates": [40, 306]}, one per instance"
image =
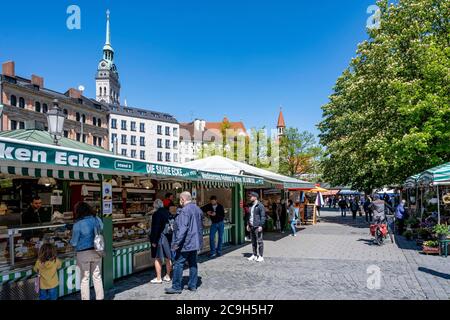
{"type": "Point", "coordinates": [224, 165]}
{"type": "Point", "coordinates": [44, 137]}
{"type": "Point", "coordinates": [238, 126]}
{"type": "Point", "coordinates": [142, 114]}
{"type": "Point", "coordinates": [281, 123]}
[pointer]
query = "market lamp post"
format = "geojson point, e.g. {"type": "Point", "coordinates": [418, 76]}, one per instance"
{"type": "Point", "coordinates": [55, 120]}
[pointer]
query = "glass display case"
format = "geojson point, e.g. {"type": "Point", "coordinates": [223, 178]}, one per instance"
{"type": "Point", "coordinates": [19, 246]}
{"type": "Point", "coordinates": [128, 231]}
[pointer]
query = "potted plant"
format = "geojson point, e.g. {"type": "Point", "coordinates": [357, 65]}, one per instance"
{"type": "Point", "coordinates": [441, 231]}
{"type": "Point", "coordinates": [431, 247]}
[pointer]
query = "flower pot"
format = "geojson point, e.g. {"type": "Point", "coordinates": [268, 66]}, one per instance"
{"type": "Point", "coordinates": [430, 250]}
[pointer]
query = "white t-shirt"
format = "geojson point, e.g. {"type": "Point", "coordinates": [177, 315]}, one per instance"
{"type": "Point", "coordinates": [252, 210]}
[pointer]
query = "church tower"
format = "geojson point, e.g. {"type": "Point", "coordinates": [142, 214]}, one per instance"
{"type": "Point", "coordinates": [107, 78]}
{"type": "Point", "coordinates": [281, 126]}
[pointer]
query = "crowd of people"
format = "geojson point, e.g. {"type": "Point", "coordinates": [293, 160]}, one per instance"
{"type": "Point", "coordinates": [176, 238]}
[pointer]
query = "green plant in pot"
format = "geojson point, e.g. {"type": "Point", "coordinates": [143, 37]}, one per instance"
{"type": "Point", "coordinates": [431, 244]}
{"type": "Point", "coordinates": [441, 231]}
{"type": "Point", "coordinates": [424, 233]}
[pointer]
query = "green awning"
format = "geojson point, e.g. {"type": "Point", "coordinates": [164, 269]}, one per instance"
{"type": "Point", "coordinates": [439, 175]}
{"type": "Point", "coordinates": [411, 182]}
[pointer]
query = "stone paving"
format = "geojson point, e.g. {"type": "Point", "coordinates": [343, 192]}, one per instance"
{"type": "Point", "coordinates": [326, 261]}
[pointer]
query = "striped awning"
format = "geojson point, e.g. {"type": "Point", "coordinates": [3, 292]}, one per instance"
{"type": "Point", "coordinates": [411, 182]}
{"type": "Point", "coordinates": [439, 175]}
{"type": "Point", "coordinates": [50, 173]}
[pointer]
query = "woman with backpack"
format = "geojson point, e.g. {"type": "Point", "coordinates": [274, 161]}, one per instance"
{"type": "Point", "coordinates": [89, 260]}
{"type": "Point", "coordinates": [160, 234]}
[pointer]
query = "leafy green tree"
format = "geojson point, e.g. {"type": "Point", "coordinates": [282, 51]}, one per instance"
{"type": "Point", "coordinates": [388, 117]}
{"type": "Point", "coordinates": [299, 153]}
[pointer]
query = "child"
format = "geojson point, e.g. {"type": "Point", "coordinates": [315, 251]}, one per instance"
{"type": "Point", "coordinates": [47, 267]}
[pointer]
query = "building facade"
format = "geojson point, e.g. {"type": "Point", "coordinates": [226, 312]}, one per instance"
{"type": "Point", "coordinates": [143, 134]}
{"type": "Point", "coordinates": [26, 101]}
{"type": "Point", "coordinates": [199, 133]}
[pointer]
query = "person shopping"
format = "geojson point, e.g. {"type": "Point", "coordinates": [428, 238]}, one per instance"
{"type": "Point", "coordinates": [47, 267]}
{"type": "Point", "coordinates": [159, 239]}
{"type": "Point", "coordinates": [292, 217]}
{"type": "Point", "coordinates": [88, 259]}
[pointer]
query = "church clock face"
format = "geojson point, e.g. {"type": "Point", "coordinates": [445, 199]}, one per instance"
{"type": "Point", "coordinates": [103, 64]}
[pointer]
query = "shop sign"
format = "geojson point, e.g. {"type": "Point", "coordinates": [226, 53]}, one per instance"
{"type": "Point", "coordinates": [160, 170]}
{"type": "Point", "coordinates": [123, 165]}
{"type": "Point", "coordinates": [107, 197]}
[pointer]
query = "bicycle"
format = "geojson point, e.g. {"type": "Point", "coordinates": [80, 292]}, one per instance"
{"type": "Point", "coordinates": [381, 229]}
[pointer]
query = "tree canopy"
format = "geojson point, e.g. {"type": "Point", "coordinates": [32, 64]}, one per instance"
{"type": "Point", "coordinates": [388, 117]}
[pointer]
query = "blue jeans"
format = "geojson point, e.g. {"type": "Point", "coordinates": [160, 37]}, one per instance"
{"type": "Point", "coordinates": [216, 227]}
{"type": "Point", "coordinates": [48, 294]}
{"type": "Point", "coordinates": [180, 259]}
{"type": "Point", "coordinates": [293, 225]}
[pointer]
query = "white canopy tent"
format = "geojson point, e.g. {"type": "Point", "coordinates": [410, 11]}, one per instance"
{"type": "Point", "coordinates": [224, 165]}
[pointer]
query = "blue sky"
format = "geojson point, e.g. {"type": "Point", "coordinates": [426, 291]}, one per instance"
{"type": "Point", "coordinates": [195, 59]}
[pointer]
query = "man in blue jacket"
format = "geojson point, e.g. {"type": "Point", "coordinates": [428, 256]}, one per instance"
{"type": "Point", "coordinates": [186, 242]}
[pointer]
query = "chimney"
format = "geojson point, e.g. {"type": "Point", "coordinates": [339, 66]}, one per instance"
{"type": "Point", "coordinates": [37, 81]}
{"type": "Point", "coordinates": [9, 69]}
{"type": "Point", "coordinates": [73, 93]}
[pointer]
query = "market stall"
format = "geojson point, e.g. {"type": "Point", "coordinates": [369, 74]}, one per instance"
{"type": "Point", "coordinates": [64, 174]}
{"type": "Point", "coordinates": [274, 187]}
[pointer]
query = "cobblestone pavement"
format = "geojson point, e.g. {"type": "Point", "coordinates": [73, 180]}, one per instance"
{"type": "Point", "coordinates": [326, 261]}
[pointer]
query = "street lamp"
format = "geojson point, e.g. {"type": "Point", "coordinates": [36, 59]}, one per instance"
{"type": "Point", "coordinates": [55, 120]}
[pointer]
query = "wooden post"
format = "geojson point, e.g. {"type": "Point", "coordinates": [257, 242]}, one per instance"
{"type": "Point", "coordinates": [314, 214]}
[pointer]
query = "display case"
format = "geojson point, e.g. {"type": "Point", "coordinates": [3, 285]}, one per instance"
{"type": "Point", "coordinates": [129, 231]}
{"type": "Point", "coordinates": [20, 246]}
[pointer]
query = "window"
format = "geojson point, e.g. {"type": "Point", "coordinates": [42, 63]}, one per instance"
{"type": "Point", "coordinates": [167, 144]}
{"type": "Point", "coordinates": [133, 126]}
{"type": "Point", "coordinates": [133, 154]}
{"type": "Point", "coordinates": [113, 138]}
{"type": "Point", "coordinates": [175, 132]}
{"type": "Point", "coordinates": [94, 121]}
{"type": "Point", "coordinates": [22, 125]}
{"type": "Point", "coordinates": [77, 116]}
{"type": "Point", "coordinates": [37, 106]}
{"type": "Point", "coordinates": [113, 123]}
{"type": "Point", "coordinates": [84, 138]}
{"type": "Point", "coordinates": [175, 157]}
{"type": "Point", "coordinates": [99, 122]}
{"type": "Point", "coordinates": [13, 100]}
{"type": "Point", "coordinates": [21, 102]}
{"type": "Point", "coordinates": [66, 133]}
{"type": "Point", "coordinates": [95, 141]}
{"type": "Point", "coordinates": [66, 113]}
{"type": "Point", "coordinates": [159, 129]}
{"type": "Point", "coordinates": [100, 142]}
{"type": "Point", "coordinates": [133, 140]}
{"type": "Point", "coordinates": [142, 155]}
{"type": "Point", "coordinates": [44, 108]}
{"type": "Point", "coordinates": [124, 139]}
{"type": "Point", "coordinates": [142, 127]}
{"type": "Point", "coordinates": [124, 152]}
{"type": "Point", "coordinates": [175, 144]}
{"type": "Point", "coordinates": [83, 118]}
{"type": "Point", "coordinates": [167, 157]}
{"type": "Point", "coordinates": [78, 136]}
{"type": "Point", "coordinates": [142, 141]}
{"type": "Point", "coordinates": [124, 125]}
{"type": "Point", "coordinates": [13, 125]}
{"type": "Point", "coordinates": [159, 143]}
{"type": "Point", "coordinates": [167, 131]}
{"type": "Point", "coordinates": [160, 156]}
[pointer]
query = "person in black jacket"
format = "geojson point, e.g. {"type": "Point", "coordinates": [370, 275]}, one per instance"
{"type": "Point", "coordinates": [35, 213]}
{"type": "Point", "coordinates": [159, 239]}
{"type": "Point", "coordinates": [217, 213]}
{"type": "Point", "coordinates": [255, 227]}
